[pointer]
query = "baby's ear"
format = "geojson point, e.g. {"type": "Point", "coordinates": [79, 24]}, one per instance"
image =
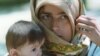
{"type": "Point", "coordinates": [13, 52]}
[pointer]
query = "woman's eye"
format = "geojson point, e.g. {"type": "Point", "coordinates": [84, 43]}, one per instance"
{"type": "Point", "coordinates": [63, 17]}
{"type": "Point", "coordinates": [45, 16]}
{"type": "Point", "coordinates": [34, 49]}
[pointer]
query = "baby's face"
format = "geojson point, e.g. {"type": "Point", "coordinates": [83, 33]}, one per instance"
{"type": "Point", "coordinates": [31, 49]}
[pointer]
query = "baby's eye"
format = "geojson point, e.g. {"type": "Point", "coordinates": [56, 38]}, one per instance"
{"type": "Point", "coordinates": [33, 49]}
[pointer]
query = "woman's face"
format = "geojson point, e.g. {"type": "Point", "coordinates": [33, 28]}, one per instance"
{"type": "Point", "coordinates": [56, 20]}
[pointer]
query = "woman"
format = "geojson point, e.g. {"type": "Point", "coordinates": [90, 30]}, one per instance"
{"type": "Point", "coordinates": [65, 23]}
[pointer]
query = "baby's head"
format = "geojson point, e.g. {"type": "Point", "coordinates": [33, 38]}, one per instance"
{"type": "Point", "coordinates": [25, 39]}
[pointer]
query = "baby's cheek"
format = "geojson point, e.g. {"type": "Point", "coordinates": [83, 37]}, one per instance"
{"type": "Point", "coordinates": [39, 52]}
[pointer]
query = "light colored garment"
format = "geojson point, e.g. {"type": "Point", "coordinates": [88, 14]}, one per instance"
{"type": "Point", "coordinates": [7, 54]}
{"type": "Point", "coordinates": [94, 50]}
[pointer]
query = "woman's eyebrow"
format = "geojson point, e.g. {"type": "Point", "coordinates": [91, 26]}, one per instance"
{"type": "Point", "coordinates": [62, 13]}
{"type": "Point", "coordinates": [47, 13]}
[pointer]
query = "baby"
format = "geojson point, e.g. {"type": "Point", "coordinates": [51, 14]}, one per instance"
{"type": "Point", "coordinates": [25, 39]}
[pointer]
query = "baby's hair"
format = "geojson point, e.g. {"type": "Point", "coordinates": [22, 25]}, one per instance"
{"type": "Point", "coordinates": [23, 31]}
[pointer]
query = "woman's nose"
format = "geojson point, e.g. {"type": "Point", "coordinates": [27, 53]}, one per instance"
{"type": "Point", "coordinates": [55, 26]}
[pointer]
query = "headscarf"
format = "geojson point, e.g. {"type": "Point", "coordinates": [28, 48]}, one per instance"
{"type": "Point", "coordinates": [72, 8]}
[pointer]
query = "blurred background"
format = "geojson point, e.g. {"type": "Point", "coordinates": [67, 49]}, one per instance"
{"type": "Point", "coordinates": [11, 11]}
{"type": "Point", "coordinates": [93, 8]}
{"type": "Point", "coordinates": [15, 10]}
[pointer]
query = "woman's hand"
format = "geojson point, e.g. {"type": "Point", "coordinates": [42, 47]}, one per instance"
{"type": "Point", "coordinates": [88, 26]}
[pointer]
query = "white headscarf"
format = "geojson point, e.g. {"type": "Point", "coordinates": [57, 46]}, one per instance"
{"type": "Point", "coordinates": [72, 8]}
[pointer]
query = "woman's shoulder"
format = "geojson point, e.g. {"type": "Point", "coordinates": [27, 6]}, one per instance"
{"type": "Point", "coordinates": [93, 49]}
